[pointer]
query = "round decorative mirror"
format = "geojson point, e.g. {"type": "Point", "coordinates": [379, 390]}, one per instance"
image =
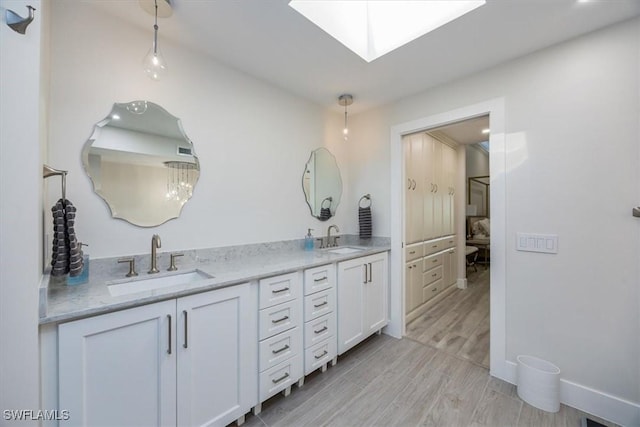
{"type": "Point", "coordinates": [141, 163]}
{"type": "Point", "coordinates": [322, 184]}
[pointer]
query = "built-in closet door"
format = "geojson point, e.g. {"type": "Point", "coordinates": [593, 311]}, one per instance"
{"type": "Point", "coordinates": [414, 184]}
{"type": "Point", "coordinates": [448, 189]}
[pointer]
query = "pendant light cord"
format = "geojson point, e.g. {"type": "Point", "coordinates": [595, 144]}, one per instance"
{"type": "Point", "coordinates": [155, 30]}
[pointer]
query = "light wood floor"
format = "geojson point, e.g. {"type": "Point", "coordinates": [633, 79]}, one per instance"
{"type": "Point", "coordinates": [434, 378]}
{"type": "Point", "coordinates": [459, 323]}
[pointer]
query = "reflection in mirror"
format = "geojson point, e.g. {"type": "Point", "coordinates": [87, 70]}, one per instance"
{"type": "Point", "coordinates": [322, 184]}
{"type": "Point", "coordinates": [141, 163]}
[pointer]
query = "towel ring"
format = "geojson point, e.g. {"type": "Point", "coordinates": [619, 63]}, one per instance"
{"type": "Point", "coordinates": [330, 199]}
{"type": "Point", "coordinates": [48, 171]}
{"type": "Point", "coordinates": [367, 197]}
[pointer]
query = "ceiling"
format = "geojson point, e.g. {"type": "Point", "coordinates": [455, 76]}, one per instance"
{"type": "Point", "coordinates": [269, 40]}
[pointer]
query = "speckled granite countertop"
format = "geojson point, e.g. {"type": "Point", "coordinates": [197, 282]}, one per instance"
{"type": "Point", "coordinates": [60, 302]}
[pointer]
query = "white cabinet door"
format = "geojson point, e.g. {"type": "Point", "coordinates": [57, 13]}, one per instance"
{"type": "Point", "coordinates": [119, 369]}
{"type": "Point", "coordinates": [375, 302]}
{"type": "Point", "coordinates": [413, 289]}
{"type": "Point", "coordinates": [448, 189]}
{"type": "Point", "coordinates": [362, 299]}
{"type": "Point", "coordinates": [217, 356]}
{"type": "Point", "coordinates": [414, 187]}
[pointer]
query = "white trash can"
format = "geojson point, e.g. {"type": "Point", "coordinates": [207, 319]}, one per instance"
{"type": "Point", "coordinates": [539, 383]}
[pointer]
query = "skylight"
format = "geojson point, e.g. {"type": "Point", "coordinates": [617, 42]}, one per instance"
{"type": "Point", "coordinates": [374, 28]}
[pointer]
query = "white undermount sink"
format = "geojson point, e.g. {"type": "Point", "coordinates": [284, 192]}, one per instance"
{"type": "Point", "coordinates": [144, 284]}
{"type": "Point", "coordinates": [344, 250]}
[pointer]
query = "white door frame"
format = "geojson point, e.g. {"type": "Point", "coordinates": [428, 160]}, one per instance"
{"type": "Point", "coordinates": [497, 167]}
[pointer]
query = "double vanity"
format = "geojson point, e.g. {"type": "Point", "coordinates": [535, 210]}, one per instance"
{"type": "Point", "coordinates": [207, 343]}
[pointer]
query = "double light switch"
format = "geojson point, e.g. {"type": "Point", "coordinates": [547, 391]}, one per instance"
{"type": "Point", "coordinates": [546, 243]}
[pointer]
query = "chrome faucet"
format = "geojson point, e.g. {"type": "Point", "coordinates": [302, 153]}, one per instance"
{"type": "Point", "coordinates": [155, 244]}
{"type": "Point", "coordinates": [331, 244]}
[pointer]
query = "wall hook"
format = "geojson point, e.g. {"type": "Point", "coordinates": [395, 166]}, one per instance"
{"type": "Point", "coordinates": [17, 22]}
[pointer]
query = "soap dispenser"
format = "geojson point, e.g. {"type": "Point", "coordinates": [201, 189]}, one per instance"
{"type": "Point", "coordinates": [308, 241]}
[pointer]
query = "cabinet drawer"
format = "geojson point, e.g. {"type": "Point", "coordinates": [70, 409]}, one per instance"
{"type": "Point", "coordinates": [279, 318]}
{"type": "Point", "coordinates": [448, 242]}
{"type": "Point", "coordinates": [319, 278]}
{"type": "Point", "coordinates": [280, 376]}
{"type": "Point", "coordinates": [280, 348]}
{"type": "Point", "coordinates": [431, 276]}
{"type": "Point", "coordinates": [432, 261]}
{"type": "Point", "coordinates": [319, 354]}
{"type": "Point", "coordinates": [412, 252]}
{"type": "Point", "coordinates": [319, 304]}
{"type": "Point", "coordinates": [319, 329]}
{"type": "Point", "coordinates": [279, 289]}
{"type": "Point", "coordinates": [432, 290]}
{"type": "Point", "coordinates": [432, 246]}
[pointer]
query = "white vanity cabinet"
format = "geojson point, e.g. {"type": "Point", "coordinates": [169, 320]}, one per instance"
{"type": "Point", "coordinates": [362, 298]}
{"type": "Point", "coordinates": [187, 361]}
{"type": "Point", "coordinates": [320, 337]}
{"type": "Point", "coordinates": [280, 335]}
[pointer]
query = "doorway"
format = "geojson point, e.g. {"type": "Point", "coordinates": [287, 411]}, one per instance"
{"type": "Point", "coordinates": [454, 319]}
{"type": "Point", "coordinates": [495, 108]}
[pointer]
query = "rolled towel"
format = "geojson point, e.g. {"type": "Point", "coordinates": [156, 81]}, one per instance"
{"type": "Point", "coordinates": [364, 219]}
{"type": "Point", "coordinates": [325, 214]}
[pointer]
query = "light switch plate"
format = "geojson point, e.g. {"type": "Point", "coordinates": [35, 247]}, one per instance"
{"type": "Point", "coordinates": [544, 243]}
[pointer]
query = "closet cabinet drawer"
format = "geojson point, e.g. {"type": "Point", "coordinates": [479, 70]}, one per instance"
{"type": "Point", "coordinates": [319, 304]}
{"type": "Point", "coordinates": [280, 377]}
{"type": "Point", "coordinates": [432, 290]}
{"type": "Point", "coordinates": [412, 252]}
{"type": "Point", "coordinates": [432, 261]}
{"type": "Point", "coordinates": [279, 318]}
{"type": "Point", "coordinates": [448, 242]}
{"type": "Point", "coordinates": [431, 276]}
{"type": "Point", "coordinates": [433, 246]}
{"type": "Point", "coordinates": [319, 278]}
{"type": "Point", "coordinates": [319, 354]}
{"type": "Point", "coordinates": [319, 329]}
{"type": "Point", "coordinates": [280, 348]}
{"type": "Point", "coordinates": [279, 289]}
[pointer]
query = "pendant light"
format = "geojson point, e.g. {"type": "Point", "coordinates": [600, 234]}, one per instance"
{"type": "Point", "coordinates": [345, 100]}
{"type": "Point", "coordinates": [153, 63]}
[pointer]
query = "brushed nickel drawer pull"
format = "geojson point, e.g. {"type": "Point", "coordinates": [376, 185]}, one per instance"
{"type": "Point", "coordinates": [434, 290]}
{"type": "Point", "coordinates": [322, 355]}
{"type": "Point", "coordinates": [285, 348]}
{"type": "Point", "coordinates": [280, 320]}
{"type": "Point", "coordinates": [434, 274]}
{"type": "Point", "coordinates": [435, 260]}
{"type": "Point", "coordinates": [320, 279]}
{"type": "Point", "coordinates": [321, 330]}
{"type": "Point", "coordinates": [186, 344]}
{"type": "Point", "coordinates": [412, 252]}
{"type": "Point", "coordinates": [434, 246]}
{"type": "Point", "coordinates": [321, 305]}
{"type": "Point", "coordinates": [280, 290]}
{"type": "Point", "coordinates": [169, 347]}
{"type": "Point", "coordinates": [282, 378]}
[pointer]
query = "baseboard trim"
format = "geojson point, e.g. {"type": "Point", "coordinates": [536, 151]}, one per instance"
{"type": "Point", "coordinates": [595, 402]}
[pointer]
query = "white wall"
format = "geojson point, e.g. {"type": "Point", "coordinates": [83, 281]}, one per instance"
{"type": "Point", "coordinates": [572, 169]}
{"type": "Point", "coordinates": [252, 139]}
{"type": "Point", "coordinates": [20, 207]}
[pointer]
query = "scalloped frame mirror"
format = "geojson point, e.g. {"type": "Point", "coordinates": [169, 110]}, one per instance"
{"type": "Point", "coordinates": [141, 163]}
{"type": "Point", "coordinates": [322, 184]}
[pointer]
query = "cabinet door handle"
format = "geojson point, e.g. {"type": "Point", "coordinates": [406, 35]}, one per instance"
{"type": "Point", "coordinates": [370, 274]}
{"type": "Point", "coordinates": [169, 346]}
{"type": "Point", "coordinates": [186, 329]}
{"type": "Point", "coordinates": [415, 184]}
{"type": "Point", "coordinates": [320, 305]}
{"type": "Point", "coordinates": [320, 279]}
{"type": "Point", "coordinates": [321, 330]}
{"type": "Point", "coordinates": [322, 355]}
{"type": "Point", "coordinates": [365, 273]}
{"type": "Point", "coordinates": [282, 378]}
{"type": "Point", "coordinates": [436, 188]}
{"type": "Point", "coordinates": [286, 347]}
{"type": "Point", "coordinates": [409, 180]}
{"type": "Point", "coordinates": [280, 290]}
{"type": "Point", "coordinates": [280, 320]}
